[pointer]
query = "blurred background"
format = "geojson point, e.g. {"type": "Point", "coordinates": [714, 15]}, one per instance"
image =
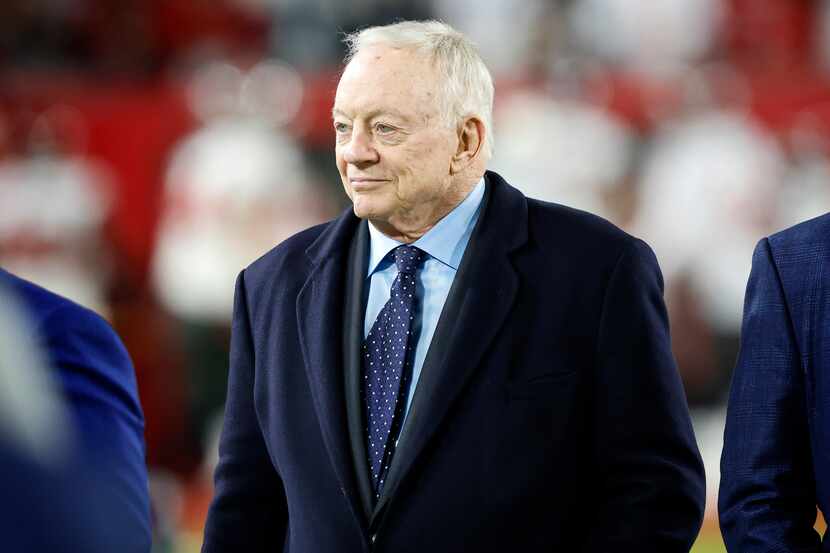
{"type": "Point", "coordinates": [149, 149]}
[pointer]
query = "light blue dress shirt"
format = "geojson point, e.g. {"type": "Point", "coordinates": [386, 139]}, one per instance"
{"type": "Point", "coordinates": [444, 244]}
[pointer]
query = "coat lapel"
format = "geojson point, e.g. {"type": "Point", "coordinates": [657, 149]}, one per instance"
{"type": "Point", "coordinates": [352, 341]}
{"type": "Point", "coordinates": [479, 300]}
{"type": "Point", "coordinates": [319, 319]}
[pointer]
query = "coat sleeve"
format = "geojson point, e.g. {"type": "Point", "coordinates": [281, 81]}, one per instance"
{"type": "Point", "coordinates": [248, 512]}
{"type": "Point", "coordinates": [650, 485]}
{"type": "Point", "coordinates": [767, 491]}
{"type": "Point", "coordinates": [99, 385]}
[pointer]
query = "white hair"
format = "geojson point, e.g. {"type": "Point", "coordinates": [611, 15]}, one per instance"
{"type": "Point", "coordinates": [466, 84]}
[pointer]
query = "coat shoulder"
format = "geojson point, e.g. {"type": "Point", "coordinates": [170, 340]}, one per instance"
{"type": "Point", "coordinates": [798, 253]}
{"type": "Point", "coordinates": [288, 254]}
{"type": "Point", "coordinates": [579, 232]}
{"type": "Point", "coordinates": [807, 235]}
{"type": "Point", "coordinates": [44, 306]}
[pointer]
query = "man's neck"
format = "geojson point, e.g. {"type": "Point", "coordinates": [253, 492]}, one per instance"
{"type": "Point", "coordinates": [409, 227]}
{"type": "Point", "coordinates": [403, 235]}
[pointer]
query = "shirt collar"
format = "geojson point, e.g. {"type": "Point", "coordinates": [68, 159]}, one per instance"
{"type": "Point", "coordinates": [445, 241]}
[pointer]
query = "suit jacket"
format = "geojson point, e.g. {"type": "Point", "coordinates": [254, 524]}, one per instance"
{"type": "Point", "coordinates": [106, 478]}
{"type": "Point", "coordinates": [775, 466]}
{"type": "Point", "coordinates": [548, 416]}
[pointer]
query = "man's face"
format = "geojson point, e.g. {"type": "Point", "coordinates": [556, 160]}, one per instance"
{"type": "Point", "coordinates": [393, 148]}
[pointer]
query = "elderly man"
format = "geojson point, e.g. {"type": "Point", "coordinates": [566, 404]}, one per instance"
{"type": "Point", "coordinates": [449, 366]}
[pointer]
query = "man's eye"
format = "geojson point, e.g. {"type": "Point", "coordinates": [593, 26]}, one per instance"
{"type": "Point", "coordinates": [380, 128]}
{"type": "Point", "coordinates": [341, 127]}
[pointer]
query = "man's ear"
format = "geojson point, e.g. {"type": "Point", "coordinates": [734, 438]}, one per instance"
{"type": "Point", "coordinates": [471, 135]}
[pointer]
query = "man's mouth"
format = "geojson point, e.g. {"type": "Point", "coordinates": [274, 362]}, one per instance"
{"type": "Point", "coordinates": [365, 183]}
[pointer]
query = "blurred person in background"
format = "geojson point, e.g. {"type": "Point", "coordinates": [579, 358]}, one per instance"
{"type": "Point", "coordinates": [102, 481]}
{"type": "Point", "coordinates": [587, 150]}
{"type": "Point", "coordinates": [54, 202]}
{"type": "Point", "coordinates": [525, 397]}
{"type": "Point", "coordinates": [234, 187]}
{"type": "Point", "coordinates": [707, 192]}
{"type": "Point", "coordinates": [774, 469]}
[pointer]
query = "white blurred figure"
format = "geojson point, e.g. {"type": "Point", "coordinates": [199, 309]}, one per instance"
{"type": "Point", "coordinates": [655, 38]}
{"type": "Point", "coordinates": [806, 190]}
{"type": "Point", "coordinates": [503, 30]}
{"type": "Point", "coordinates": [53, 205]}
{"type": "Point", "coordinates": [707, 196]}
{"type": "Point", "coordinates": [561, 151]}
{"type": "Point", "coordinates": [235, 188]}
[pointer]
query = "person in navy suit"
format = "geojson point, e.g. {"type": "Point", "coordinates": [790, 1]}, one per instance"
{"type": "Point", "coordinates": [776, 449]}
{"type": "Point", "coordinates": [449, 365]}
{"type": "Point", "coordinates": [93, 496]}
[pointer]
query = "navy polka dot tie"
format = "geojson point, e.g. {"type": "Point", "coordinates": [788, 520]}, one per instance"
{"type": "Point", "coordinates": [387, 365]}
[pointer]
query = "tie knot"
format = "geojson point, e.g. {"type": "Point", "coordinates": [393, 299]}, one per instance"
{"type": "Point", "coordinates": [407, 258]}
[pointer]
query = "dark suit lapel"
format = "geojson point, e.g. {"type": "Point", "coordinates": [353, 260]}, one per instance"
{"type": "Point", "coordinates": [319, 319]}
{"type": "Point", "coordinates": [479, 300]}
{"type": "Point", "coordinates": [352, 341]}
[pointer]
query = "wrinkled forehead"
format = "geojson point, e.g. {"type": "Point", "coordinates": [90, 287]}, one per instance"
{"type": "Point", "coordinates": [382, 77]}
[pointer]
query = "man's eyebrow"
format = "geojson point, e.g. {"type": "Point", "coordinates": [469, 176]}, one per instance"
{"type": "Point", "coordinates": [387, 111]}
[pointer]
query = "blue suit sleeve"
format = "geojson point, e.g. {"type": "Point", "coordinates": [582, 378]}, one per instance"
{"type": "Point", "coordinates": [650, 485]}
{"type": "Point", "coordinates": [767, 491]}
{"type": "Point", "coordinates": [249, 511]}
{"type": "Point", "coordinates": [99, 385]}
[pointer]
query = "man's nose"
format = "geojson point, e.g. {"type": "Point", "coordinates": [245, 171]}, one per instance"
{"type": "Point", "coordinates": [360, 148]}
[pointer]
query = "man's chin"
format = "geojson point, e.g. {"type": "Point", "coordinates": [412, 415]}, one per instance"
{"type": "Point", "coordinates": [365, 209]}
{"type": "Point", "coordinates": [360, 211]}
